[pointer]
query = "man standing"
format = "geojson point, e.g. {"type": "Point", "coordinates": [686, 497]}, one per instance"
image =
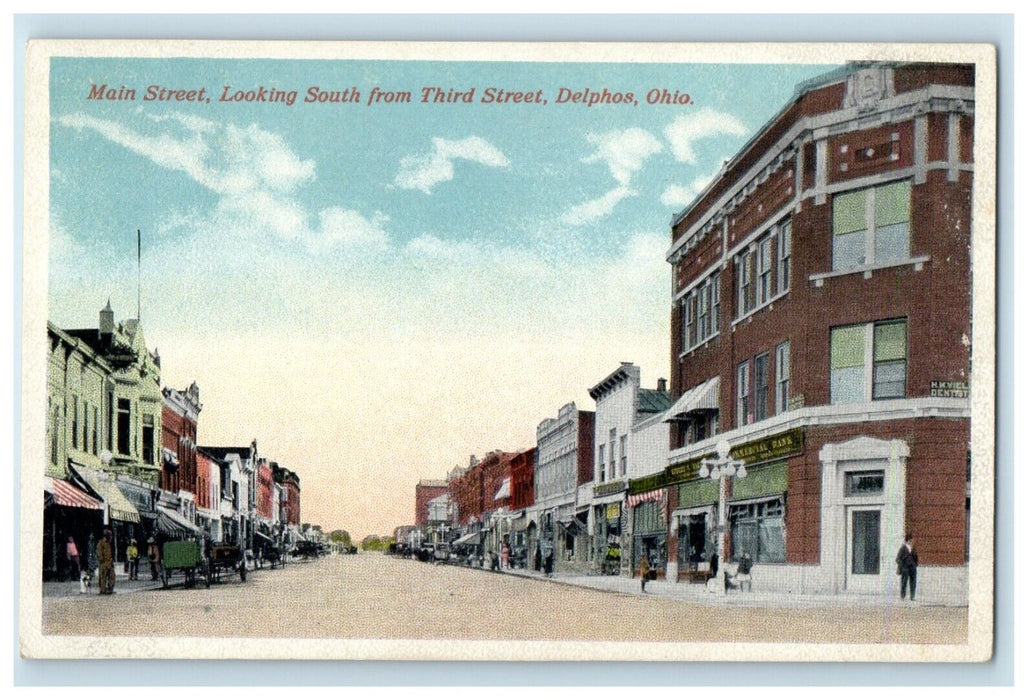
{"type": "Point", "coordinates": [153, 557]}
{"type": "Point", "coordinates": [105, 565]}
{"type": "Point", "coordinates": [133, 559]}
{"type": "Point", "coordinates": [907, 560]}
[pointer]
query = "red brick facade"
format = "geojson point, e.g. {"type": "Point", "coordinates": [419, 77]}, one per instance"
{"type": "Point", "coordinates": [179, 441]}
{"type": "Point", "coordinates": [779, 178]}
{"type": "Point", "coordinates": [475, 490]}
{"type": "Point", "coordinates": [522, 480]}
{"type": "Point", "coordinates": [427, 490]}
{"type": "Point", "coordinates": [264, 489]}
{"type": "Point", "coordinates": [587, 423]}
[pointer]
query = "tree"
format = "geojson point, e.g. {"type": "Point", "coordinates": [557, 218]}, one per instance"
{"type": "Point", "coordinates": [341, 536]}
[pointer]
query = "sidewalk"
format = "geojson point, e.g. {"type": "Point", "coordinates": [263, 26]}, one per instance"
{"type": "Point", "coordinates": [70, 589]}
{"type": "Point", "coordinates": [702, 595]}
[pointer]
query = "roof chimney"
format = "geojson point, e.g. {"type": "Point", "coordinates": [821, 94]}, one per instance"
{"type": "Point", "coordinates": [662, 384]}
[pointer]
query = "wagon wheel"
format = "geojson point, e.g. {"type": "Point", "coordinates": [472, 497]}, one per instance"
{"type": "Point", "coordinates": [207, 575]}
{"type": "Point", "coordinates": [244, 571]}
{"type": "Point", "coordinates": [188, 581]}
{"type": "Point", "coordinates": [165, 577]}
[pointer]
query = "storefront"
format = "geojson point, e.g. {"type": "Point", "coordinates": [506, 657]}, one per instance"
{"type": "Point", "coordinates": [121, 516]}
{"type": "Point", "coordinates": [67, 512]}
{"type": "Point", "coordinates": [649, 529]}
{"type": "Point", "coordinates": [756, 508]}
{"type": "Point", "coordinates": [608, 522]}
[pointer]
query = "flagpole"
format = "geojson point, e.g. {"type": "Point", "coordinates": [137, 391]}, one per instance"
{"type": "Point", "coordinates": [138, 274]}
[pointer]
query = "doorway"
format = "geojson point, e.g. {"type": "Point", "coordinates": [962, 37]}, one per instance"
{"type": "Point", "coordinates": [863, 548]}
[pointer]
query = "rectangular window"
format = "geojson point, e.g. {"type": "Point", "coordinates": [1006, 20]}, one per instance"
{"type": "Point", "coordinates": [744, 298]}
{"type": "Point", "coordinates": [603, 462]}
{"type": "Point", "coordinates": [149, 439]}
{"type": "Point", "coordinates": [764, 271]}
{"type": "Point", "coordinates": [704, 312]}
{"type": "Point", "coordinates": [868, 483]}
{"type": "Point", "coordinates": [783, 376]}
{"type": "Point", "coordinates": [783, 255]}
{"type": "Point", "coordinates": [94, 427]}
{"type": "Point", "coordinates": [689, 334]}
{"type": "Point", "coordinates": [743, 394]}
{"type": "Point", "coordinates": [871, 226]}
{"type": "Point", "coordinates": [55, 431]}
{"type": "Point", "coordinates": [110, 422]}
{"type": "Point", "coordinates": [611, 453]}
{"type": "Point", "coordinates": [889, 360]}
{"type": "Point", "coordinates": [868, 362]}
{"type": "Point", "coordinates": [715, 303]}
{"type": "Point", "coordinates": [123, 427]}
{"type": "Point", "coordinates": [761, 386]}
{"type": "Point", "coordinates": [75, 422]}
{"type": "Point", "coordinates": [622, 454]}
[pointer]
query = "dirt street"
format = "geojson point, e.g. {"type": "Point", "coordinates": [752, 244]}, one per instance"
{"type": "Point", "coordinates": [376, 596]}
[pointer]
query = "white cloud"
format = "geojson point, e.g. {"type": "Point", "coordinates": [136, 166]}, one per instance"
{"type": "Point", "coordinates": [686, 130]}
{"type": "Point", "coordinates": [624, 151]}
{"type": "Point", "coordinates": [422, 172]}
{"type": "Point", "coordinates": [681, 195]}
{"type": "Point", "coordinates": [255, 174]}
{"type": "Point", "coordinates": [351, 228]}
{"type": "Point", "coordinates": [595, 209]}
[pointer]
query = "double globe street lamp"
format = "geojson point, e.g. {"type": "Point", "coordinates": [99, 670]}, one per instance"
{"type": "Point", "coordinates": [722, 468]}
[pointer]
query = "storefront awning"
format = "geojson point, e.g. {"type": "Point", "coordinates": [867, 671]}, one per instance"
{"type": "Point", "coordinates": [504, 491]}
{"type": "Point", "coordinates": [172, 523]}
{"type": "Point", "coordinates": [703, 397]}
{"type": "Point", "coordinates": [473, 538]}
{"type": "Point", "coordinates": [119, 507]}
{"type": "Point", "coordinates": [65, 494]}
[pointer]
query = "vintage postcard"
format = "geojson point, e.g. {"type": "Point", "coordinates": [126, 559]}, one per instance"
{"type": "Point", "coordinates": [508, 351]}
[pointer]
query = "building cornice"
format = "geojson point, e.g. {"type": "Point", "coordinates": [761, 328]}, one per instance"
{"type": "Point", "coordinates": [840, 414]}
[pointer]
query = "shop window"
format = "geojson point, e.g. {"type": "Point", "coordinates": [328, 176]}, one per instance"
{"type": "Point", "coordinates": [761, 386]}
{"type": "Point", "coordinates": [868, 362]}
{"type": "Point", "coordinates": [758, 530]}
{"type": "Point", "coordinates": [871, 226]}
{"type": "Point", "coordinates": [783, 377]}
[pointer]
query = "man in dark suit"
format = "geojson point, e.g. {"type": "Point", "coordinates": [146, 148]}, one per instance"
{"type": "Point", "coordinates": [907, 560]}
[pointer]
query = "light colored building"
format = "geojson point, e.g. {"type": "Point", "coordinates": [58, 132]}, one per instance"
{"type": "Point", "coordinates": [621, 405]}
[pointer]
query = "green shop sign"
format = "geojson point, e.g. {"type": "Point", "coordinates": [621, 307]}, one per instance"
{"type": "Point", "coordinates": [785, 444]}
{"type": "Point", "coordinates": [609, 488]}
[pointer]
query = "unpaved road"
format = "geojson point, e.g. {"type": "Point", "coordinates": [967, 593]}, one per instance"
{"type": "Point", "coordinates": [371, 596]}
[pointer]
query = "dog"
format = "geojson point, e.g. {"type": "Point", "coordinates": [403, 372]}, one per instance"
{"type": "Point", "coordinates": [85, 580]}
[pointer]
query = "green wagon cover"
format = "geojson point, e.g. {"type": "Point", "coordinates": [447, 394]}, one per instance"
{"type": "Point", "coordinates": [181, 555]}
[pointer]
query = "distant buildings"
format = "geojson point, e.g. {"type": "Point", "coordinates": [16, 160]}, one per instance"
{"type": "Point", "coordinates": [122, 453]}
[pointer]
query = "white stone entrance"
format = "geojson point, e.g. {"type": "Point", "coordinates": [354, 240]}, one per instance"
{"type": "Point", "coordinates": [863, 514]}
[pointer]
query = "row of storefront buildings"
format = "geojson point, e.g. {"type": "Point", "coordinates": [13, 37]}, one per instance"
{"type": "Point", "coordinates": [122, 454]}
{"type": "Point", "coordinates": [820, 328]}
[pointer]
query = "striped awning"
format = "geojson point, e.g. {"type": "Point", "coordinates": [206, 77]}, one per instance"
{"type": "Point", "coordinates": [67, 495]}
{"type": "Point", "coordinates": [119, 507]}
{"type": "Point", "coordinates": [655, 495]}
{"type": "Point", "coordinates": [170, 522]}
{"type": "Point", "coordinates": [504, 491]}
{"type": "Point", "coordinates": [703, 397]}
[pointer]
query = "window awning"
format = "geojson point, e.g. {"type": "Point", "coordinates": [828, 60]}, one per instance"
{"type": "Point", "coordinates": [65, 494]}
{"type": "Point", "coordinates": [504, 491]}
{"type": "Point", "coordinates": [703, 397]}
{"type": "Point", "coordinates": [170, 458]}
{"type": "Point", "coordinates": [119, 507]}
{"type": "Point", "coordinates": [172, 523]}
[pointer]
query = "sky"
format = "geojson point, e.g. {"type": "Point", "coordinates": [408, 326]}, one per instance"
{"type": "Point", "coordinates": [376, 290]}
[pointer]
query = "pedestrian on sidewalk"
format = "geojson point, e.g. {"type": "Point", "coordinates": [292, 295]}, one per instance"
{"type": "Point", "coordinates": [72, 554]}
{"type": "Point", "coordinates": [644, 570]}
{"type": "Point", "coordinates": [133, 559]}
{"type": "Point", "coordinates": [505, 556]}
{"type": "Point", "coordinates": [907, 561]}
{"type": "Point", "coordinates": [154, 556]}
{"type": "Point", "coordinates": [106, 565]}
{"type": "Point", "coordinates": [548, 563]}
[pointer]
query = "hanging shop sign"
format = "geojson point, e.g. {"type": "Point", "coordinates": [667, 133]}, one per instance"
{"type": "Point", "coordinates": [613, 511]}
{"type": "Point", "coordinates": [609, 488]}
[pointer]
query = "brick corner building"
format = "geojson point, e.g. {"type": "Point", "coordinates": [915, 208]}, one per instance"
{"type": "Point", "coordinates": [821, 325]}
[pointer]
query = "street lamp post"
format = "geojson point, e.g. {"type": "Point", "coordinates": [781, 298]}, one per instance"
{"type": "Point", "coordinates": [722, 468]}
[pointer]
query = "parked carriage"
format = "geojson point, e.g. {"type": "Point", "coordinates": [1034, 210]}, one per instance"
{"type": "Point", "coordinates": [183, 558]}
{"type": "Point", "coordinates": [225, 559]}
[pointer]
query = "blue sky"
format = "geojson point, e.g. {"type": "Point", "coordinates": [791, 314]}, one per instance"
{"type": "Point", "coordinates": [386, 289]}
